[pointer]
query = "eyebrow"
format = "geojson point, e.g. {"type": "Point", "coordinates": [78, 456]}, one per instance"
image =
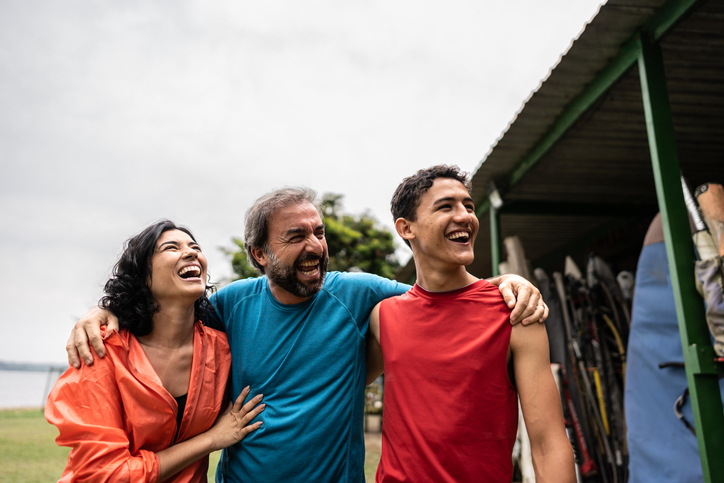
{"type": "Point", "coordinates": [450, 198]}
{"type": "Point", "coordinates": [296, 231]}
{"type": "Point", "coordinates": [174, 242]}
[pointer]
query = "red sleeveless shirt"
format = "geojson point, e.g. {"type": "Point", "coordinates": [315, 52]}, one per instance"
{"type": "Point", "coordinates": [450, 410]}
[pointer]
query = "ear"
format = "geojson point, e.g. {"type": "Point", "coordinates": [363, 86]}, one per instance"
{"type": "Point", "coordinates": [404, 228]}
{"type": "Point", "coordinates": [260, 256]}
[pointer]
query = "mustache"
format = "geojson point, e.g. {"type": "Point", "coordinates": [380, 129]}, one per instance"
{"type": "Point", "coordinates": [309, 256]}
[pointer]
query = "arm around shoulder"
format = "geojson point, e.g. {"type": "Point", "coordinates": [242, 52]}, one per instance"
{"type": "Point", "coordinates": [87, 332]}
{"type": "Point", "coordinates": [541, 405]}
{"type": "Point", "coordinates": [522, 297]}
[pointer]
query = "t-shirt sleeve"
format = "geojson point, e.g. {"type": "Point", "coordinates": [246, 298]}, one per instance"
{"type": "Point", "coordinates": [362, 291]}
{"type": "Point", "coordinates": [86, 407]}
{"type": "Point", "coordinates": [224, 301]}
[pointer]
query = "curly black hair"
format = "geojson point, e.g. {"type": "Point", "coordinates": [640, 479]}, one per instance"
{"type": "Point", "coordinates": [406, 198]}
{"type": "Point", "coordinates": [127, 293]}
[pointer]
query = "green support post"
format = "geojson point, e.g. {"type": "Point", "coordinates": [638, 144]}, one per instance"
{"type": "Point", "coordinates": [695, 338]}
{"type": "Point", "coordinates": [495, 239]}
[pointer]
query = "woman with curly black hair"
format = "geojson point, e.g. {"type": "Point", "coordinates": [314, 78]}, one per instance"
{"type": "Point", "coordinates": [146, 411]}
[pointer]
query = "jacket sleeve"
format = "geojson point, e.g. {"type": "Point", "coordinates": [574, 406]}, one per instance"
{"type": "Point", "coordinates": [86, 406]}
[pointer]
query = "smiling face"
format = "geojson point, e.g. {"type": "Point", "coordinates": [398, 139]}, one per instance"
{"type": "Point", "coordinates": [178, 268]}
{"type": "Point", "coordinates": [295, 258]}
{"type": "Point", "coordinates": [443, 233]}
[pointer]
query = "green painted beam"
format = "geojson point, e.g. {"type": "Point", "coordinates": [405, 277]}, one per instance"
{"type": "Point", "coordinates": [695, 338]}
{"type": "Point", "coordinates": [495, 240]}
{"type": "Point", "coordinates": [575, 109]}
{"type": "Point", "coordinates": [541, 207]}
{"type": "Point", "coordinates": [665, 18]}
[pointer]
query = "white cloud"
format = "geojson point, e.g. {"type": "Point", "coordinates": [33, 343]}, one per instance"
{"type": "Point", "coordinates": [113, 115]}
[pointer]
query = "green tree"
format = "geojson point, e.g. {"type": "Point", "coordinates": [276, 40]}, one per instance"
{"type": "Point", "coordinates": [354, 242]}
{"type": "Point", "coordinates": [357, 242]}
{"type": "Point", "coordinates": [240, 264]}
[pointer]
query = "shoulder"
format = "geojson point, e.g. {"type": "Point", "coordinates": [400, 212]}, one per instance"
{"type": "Point", "coordinates": [340, 281]}
{"type": "Point", "coordinates": [215, 338]}
{"type": "Point", "coordinates": [490, 294]}
{"type": "Point", "coordinates": [103, 368]}
{"type": "Point", "coordinates": [241, 288]}
{"type": "Point", "coordinates": [410, 296]}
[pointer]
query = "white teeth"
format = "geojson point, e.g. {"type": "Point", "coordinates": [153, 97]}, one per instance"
{"type": "Point", "coordinates": [456, 235]}
{"type": "Point", "coordinates": [193, 270]}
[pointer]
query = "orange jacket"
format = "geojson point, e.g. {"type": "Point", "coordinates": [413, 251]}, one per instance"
{"type": "Point", "coordinates": [116, 414]}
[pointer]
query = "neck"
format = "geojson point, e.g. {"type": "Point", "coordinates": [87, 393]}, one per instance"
{"type": "Point", "coordinates": [284, 297]}
{"type": "Point", "coordinates": [173, 327]}
{"type": "Point", "coordinates": [442, 279]}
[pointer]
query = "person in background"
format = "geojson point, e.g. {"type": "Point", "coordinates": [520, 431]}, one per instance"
{"type": "Point", "coordinates": [146, 412]}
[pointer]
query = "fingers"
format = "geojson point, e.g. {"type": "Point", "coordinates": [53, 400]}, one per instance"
{"type": "Point", "coordinates": [508, 295]}
{"type": "Point", "coordinates": [85, 336]}
{"type": "Point", "coordinates": [87, 333]}
{"type": "Point", "coordinates": [73, 357]}
{"type": "Point", "coordinates": [254, 412]}
{"type": "Point", "coordinates": [93, 329]}
{"type": "Point", "coordinates": [240, 400]}
{"type": "Point", "coordinates": [250, 428]}
{"type": "Point", "coordinates": [243, 415]}
{"type": "Point", "coordinates": [535, 308]}
{"type": "Point", "coordinates": [249, 412]}
{"type": "Point", "coordinates": [539, 315]}
{"type": "Point", "coordinates": [111, 321]}
{"type": "Point", "coordinates": [522, 307]}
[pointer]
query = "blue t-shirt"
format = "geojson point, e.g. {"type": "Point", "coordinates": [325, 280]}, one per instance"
{"type": "Point", "coordinates": [308, 360]}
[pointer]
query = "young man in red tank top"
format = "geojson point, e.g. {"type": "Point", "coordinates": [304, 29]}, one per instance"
{"type": "Point", "coordinates": [451, 411]}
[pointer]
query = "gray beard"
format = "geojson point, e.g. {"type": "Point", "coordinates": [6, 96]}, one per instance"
{"type": "Point", "coordinates": [285, 276]}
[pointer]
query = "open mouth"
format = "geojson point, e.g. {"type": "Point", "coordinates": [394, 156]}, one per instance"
{"type": "Point", "coordinates": [190, 271]}
{"type": "Point", "coordinates": [308, 267]}
{"type": "Point", "coordinates": [459, 237]}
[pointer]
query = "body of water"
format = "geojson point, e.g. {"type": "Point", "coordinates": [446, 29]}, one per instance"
{"type": "Point", "coordinates": [21, 389]}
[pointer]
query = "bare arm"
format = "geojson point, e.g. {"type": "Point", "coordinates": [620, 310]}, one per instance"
{"type": "Point", "coordinates": [88, 329]}
{"type": "Point", "coordinates": [230, 428]}
{"type": "Point", "coordinates": [375, 365]}
{"type": "Point", "coordinates": [523, 297]}
{"type": "Point", "coordinates": [541, 405]}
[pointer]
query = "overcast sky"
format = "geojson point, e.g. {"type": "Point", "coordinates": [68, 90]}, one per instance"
{"type": "Point", "coordinates": [116, 114]}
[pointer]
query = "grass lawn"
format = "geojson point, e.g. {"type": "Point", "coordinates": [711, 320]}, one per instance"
{"type": "Point", "coordinates": [28, 453]}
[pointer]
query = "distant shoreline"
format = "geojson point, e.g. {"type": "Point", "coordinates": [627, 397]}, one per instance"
{"type": "Point", "coordinates": [31, 366]}
{"type": "Point", "coordinates": [22, 408]}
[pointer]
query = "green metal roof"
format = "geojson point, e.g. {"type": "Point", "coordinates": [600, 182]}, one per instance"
{"type": "Point", "coordinates": [574, 167]}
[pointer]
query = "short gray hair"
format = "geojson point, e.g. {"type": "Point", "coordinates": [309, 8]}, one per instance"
{"type": "Point", "coordinates": [256, 231]}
